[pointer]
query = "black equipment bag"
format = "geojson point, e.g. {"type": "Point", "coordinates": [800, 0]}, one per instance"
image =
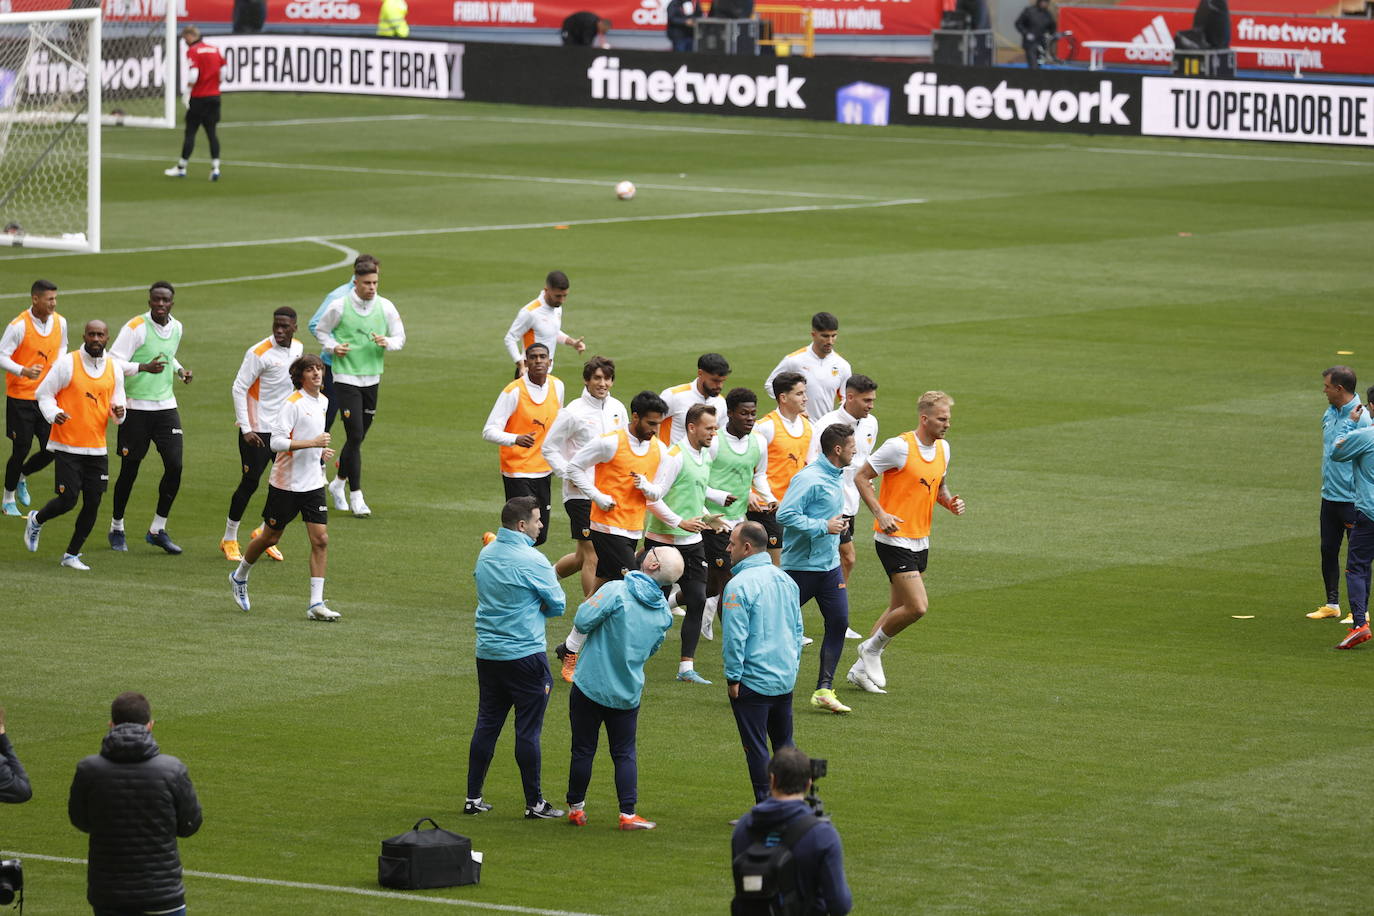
{"type": "Point", "coordinates": [766, 876]}
{"type": "Point", "coordinates": [427, 858]}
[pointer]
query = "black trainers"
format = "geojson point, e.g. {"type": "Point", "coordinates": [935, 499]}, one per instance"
{"type": "Point", "coordinates": [475, 806]}
{"type": "Point", "coordinates": [542, 811]}
{"type": "Point", "coordinates": [162, 539]}
{"type": "Point", "coordinates": [117, 541]}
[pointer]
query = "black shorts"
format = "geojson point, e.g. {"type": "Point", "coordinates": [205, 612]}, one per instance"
{"type": "Point", "coordinates": [717, 547]}
{"type": "Point", "coordinates": [284, 505]}
{"type": "Point", "coordinates": [537, 487]}
{"type": "Point", "coordinates": [80, 473]}
{"type": "Point", "coordinates": [900, 560]}
{"type": "Point", "coordinates": [203, 110]}
{"type": "Point", "coordinates": [254, 458]}
{"type": "Point", "coordinates": [847, 535]}
{"type": "Point", "coordinates": [693, 559]}
{"type": "Point", "coordinates": [23, 420]}
{"type": "Point", "coordinates": [769, 521]}
{"type": "Point", "coordinates": [579, 518]}
{"type": "Point", "coordinates": [615, 555]}
{"type": "Point", "coordinates": [141, 428]}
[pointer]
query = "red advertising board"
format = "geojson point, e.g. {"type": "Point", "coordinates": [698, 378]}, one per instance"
{"type": "Point", "coordinates": [832, 17]}
{"type": "Point", "coordinates": [1327, 45]}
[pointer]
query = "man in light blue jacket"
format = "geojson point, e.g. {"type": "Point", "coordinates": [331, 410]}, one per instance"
{"type": "Point", "coordinates": [1338, 484]}
{"type": "Point", "coordinates": [812, 517]}
{"type": "Point", "coordinates": [516, 590]}
{"type": "Point", "coordinates": [762, 643]}
{"type": "Point", "coordinates": [615, 632]}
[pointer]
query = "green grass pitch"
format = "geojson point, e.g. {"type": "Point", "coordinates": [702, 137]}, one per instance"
{"type": "Point", "coordinates": [1133, 331]}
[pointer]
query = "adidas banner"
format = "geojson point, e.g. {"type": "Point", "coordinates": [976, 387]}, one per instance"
{"type": "Point", "coordinates": [1262, 42]}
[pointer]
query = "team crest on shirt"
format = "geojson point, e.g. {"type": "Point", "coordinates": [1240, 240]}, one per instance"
{"type": "Point", "coordinates": [834, 371]}
{"type": "Point", "coordinates": [124, 452]}
{"type": "Point", "coordinates": [347, 413]}
{"type": "Point", "coordinates": [61, 488]}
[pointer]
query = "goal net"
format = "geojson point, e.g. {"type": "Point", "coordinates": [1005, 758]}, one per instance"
{"type": "Point", "coordinates": [50, 129]}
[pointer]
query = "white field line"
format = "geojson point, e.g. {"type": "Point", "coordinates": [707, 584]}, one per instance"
{"type": "Point", "coordinates": [331, 888]}
{"type": "Point", "coordinates": [403, 233]}
{"type": "Point", "coordinates": [346, 261]}
{"type": "Point", "coordinates": [497, 176]}
{"type": "Point", "coordinates": [856, 137]}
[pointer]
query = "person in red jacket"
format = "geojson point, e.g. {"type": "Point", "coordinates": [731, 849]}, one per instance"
{"type": "Point", "coordinates": [204, 61]}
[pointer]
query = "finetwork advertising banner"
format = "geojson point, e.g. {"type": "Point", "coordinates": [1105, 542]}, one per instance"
{"type": "Point", "coordinates": [357, 66]}
{"type": "Point", "coordinates": [848, 90]}
{"type": "Point", "coordinates": [1245, 110]}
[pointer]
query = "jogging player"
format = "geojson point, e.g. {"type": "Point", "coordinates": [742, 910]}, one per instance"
{"type": "Point", "coordinates": [592, 414]}
{"type": "Point", "coordinates": [825, 371]}
{"type": "Point", "coordinates": [541, 321]}
{"type": "Point", "coordinates": [680, 518]}
{"type": "Point", "coordinates": [617, 472]}
{"type": "Point", "coordinates": [739, 467]}
{"type": "Point", "coordinates": [30, 344]}
{"type": "Point", "coordinates": [860, 394]}
{"type": "Point", "coordinates": [712, 371]}
{"type": "Point", "coordinates": [260, 389]}
{"type": "Point", "coordinates": [915, 468]}
{"type": "Point", "coordinates": [78, 396]}
{"type": "Point", "coordinates": [787, 433]}
{"type": "Point", "coordinates": [296, 485]}
{"type": "Point", "coordinates": [359, 327]}
{"type": "Point", "coordinates": [519, 422]}
{"type": "Point", "coordinates": [148, 346]}
{"type": "Point", "coordinates": [365, 260]}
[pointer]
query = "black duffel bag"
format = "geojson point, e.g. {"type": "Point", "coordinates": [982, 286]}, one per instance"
{"type": "Point", "coordinates": [427, 858]}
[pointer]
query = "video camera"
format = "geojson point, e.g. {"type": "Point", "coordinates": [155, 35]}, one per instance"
{"type": "Point", "coordinates": [818, 771]}
{"type": "Point", "coordinates": [12, 882]}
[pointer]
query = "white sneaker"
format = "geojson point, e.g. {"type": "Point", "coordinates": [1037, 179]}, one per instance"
{"type": "Point", "coordinates": [240, 591]}
{"type": "Point", "coordinates": [339, 490]}
{"type": "Point", "coordinates": [73, 561]}
{"type": "Point", "coordinates": [859, 678]}
{"type": "Point", "coordinates": [32, 531]}
{"type": "Point", "coordinates": [872, 664]}
{"type": "Point", "coordinates": [360, 509]}
{"type": "Point", "coordinates": [679, 611]}
{"type": "Point", "coordinates": [175, 171]}
{"type": "Point", "coordinates": [320, 612]}
{"type": "Point", "coordinates": [806, 641]}
{"type": "Point", "coordinates": [214, 174]}
{"type": "Point", "coordinates": [851, 633]}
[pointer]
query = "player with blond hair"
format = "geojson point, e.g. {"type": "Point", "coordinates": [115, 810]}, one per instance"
{"type": "Point", "coordinates": [915, 472]}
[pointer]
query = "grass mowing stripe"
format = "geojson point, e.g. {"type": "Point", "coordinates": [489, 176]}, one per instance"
{"type": "Point", "coordinates": [331, 888]}
{"type": "Point", "coordinates": [497, 176]}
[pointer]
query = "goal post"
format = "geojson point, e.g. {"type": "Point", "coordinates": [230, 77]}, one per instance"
{"type": "Point", "coordinates": [50, 113]}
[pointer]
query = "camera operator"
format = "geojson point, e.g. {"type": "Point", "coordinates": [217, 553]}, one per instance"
{"type": "Point", "coordinates": [134, 801]}
{"type": "Point", "coordinates": [817, 853]}
{"type": "Point", "coordinates": [14, 782]}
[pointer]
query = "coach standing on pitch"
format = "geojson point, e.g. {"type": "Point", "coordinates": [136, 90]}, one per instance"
{"type": "Point", "coordinates": [205, 61]}
{"type": "Point", "coordinates": [762, 644]}
{"type": "Point", "coordinates": [516, 589]}
{"type": "Point", "coordinates": [615, 633]}
{"type": "Point", "coordinates": [812, 516]}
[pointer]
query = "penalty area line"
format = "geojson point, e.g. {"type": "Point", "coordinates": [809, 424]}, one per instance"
{"type": "Point", "coordinates": [332, 888]}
